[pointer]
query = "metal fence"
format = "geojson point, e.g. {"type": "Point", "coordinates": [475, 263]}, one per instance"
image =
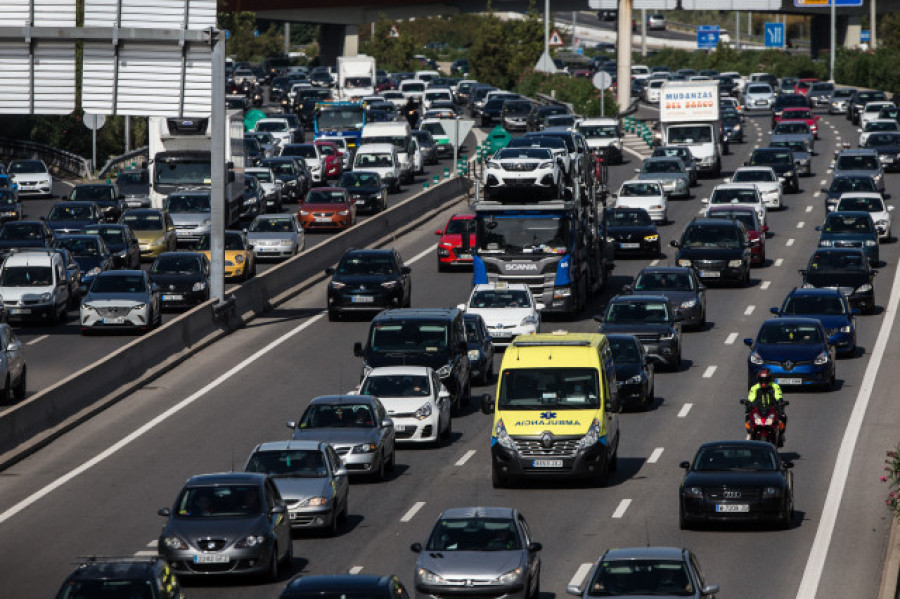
{"type": "Point", "coordinates": [138, 158]}
{"type": "Point", "coordinates": [57, 160]}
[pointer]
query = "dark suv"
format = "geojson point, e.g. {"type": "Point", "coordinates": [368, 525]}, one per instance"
{"type": "Point", "coordinates": [367, 280]}
{"type": "Point", "coordinates": [433, 337]}
{"type": "Point", "coordinates": [859, 99]}
{"type": "Point", "coordinates": [718, 249]}
{"type": "Point", "coordinates": [782, 161]}
{"type": "Point", "coordinates": [148, 577]}
{"type": "Point", "coordinates": [650, 318]}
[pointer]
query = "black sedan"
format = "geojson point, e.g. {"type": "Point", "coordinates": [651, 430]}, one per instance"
{"type": "Point", "coordinates": [481, 349]}
{"type": "Point", "coordinates": [91, 255]}
{"type": "Point", "coordinates": [182, 277]}
{"type": "Point", "coordinates": [368, 280]}
{"type": "Point", "coordinates": [651, 319]}
{"type": "Point", "coordinates": [366, 189]}
{"type": "Point", "coordinates": [344, 585]}
{"type": "Point", "coordinates": [736, 481]}
{"type": "Point", "coordinates": [887, 144]}
{"type": "Point", "coordinates": [10, 205]}
{"type": "Point", "coordinates": [121, 241]}
{"type": "Point", "coordinates": [634, 372]}
{"type": "Point", "coordinates": [846, 269]}
{"type": "Point", "coordinates": [106, 195]}
{"type": "Point", "coordinates": [631, 231]}
{"type": "Point", "coordinates": [678, 283]}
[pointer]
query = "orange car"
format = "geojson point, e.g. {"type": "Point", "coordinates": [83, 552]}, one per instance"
{"type": "Point", "coordinates": [327, 208]}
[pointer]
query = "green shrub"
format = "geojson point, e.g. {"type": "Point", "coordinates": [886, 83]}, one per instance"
{"type": "Point", "coordinates": [578, 91]}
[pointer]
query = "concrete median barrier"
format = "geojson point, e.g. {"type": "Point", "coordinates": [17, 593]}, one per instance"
{"type": "Point", "coordinates": [38, 420]}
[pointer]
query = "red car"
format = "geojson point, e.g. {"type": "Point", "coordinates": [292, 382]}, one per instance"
{"type": "Point", "coordinates": [801, 114]}
{"type": "Point", "coordinates": [802, 86]}
{"type": "Point", "coordinates": [449, 249]}
{"type": "Point", "coordinates": [748, 217]}
{"type": "Point", "coordinates": [327, 208]}
{"type": "Point", "coordinates": [334, 158]}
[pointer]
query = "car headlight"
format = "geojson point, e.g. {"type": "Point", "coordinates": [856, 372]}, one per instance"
{"type": "Point", "coordinates": [428, 577]}
{"type": "Point", "coordinates": [735, 263]}
{"type": "Point", "coordinates": [821, 359]}
{"type": "Point", "coordinates": [503, 437]}
{"type": "Point", "coordinates": [45, 297]}
{"type": "Point", "coordinates": [364, 448]}
{"type": "Point", "coordinates": [93, 272]}
{"type": "Point", "coordinates": [825, 243]}
{"type": "Point", "coordinates": [668, 336]}
{"type": "Point", "coordinates": [610, 239]}
{"type": "Point", "coordinates": [159, 240]}
{"type": "Point", "coordinates": [304, 212]}
{"type": "Point", "coordinates": [877, 177]}
{"type": "Point", "coordinates": [635, 380]}
{"type": "Point", "coordinates": [544, 165]}
{"type": "Point", "coordinates": [871, 243]}
{"type": "Point", "coordinates": [138, 306]}
{"type": "Point", "coordinates": [651, 238]}
{"type": "Point", "coordinates": [250, 541]}
{"type": "Point", "coordinates": [737, 127]}
{"type": "Point", "coordinates": [239, 259]}
{"type": "Point", "coordinates": [695, 492]}
{"type": "Point", "coordinates": [511, 577]}
{"type": "Point", "coordinates": [199, 286]}
{"type": "Point", "coordinates": [755, 358]}
{"type": "Point", "coordinates": [286, 242]}
{"type": "Point", "coordinates": [881, 223]}
{"type": "Point", "coordinates": [344, 213]}
{"type": "Point", "coordinates": [424, 411]}
{"type": "Point", "coordinates": [591, 437]}
{"type": "Point", "coordinates": [771, 492]}
{"type": "Point", "coordinates": [474, 354]}
{"type": "Point", "coordinates": [492, 164]}
{"type": "Point", "coordinates": [684, 262]}
{"type": "Point", "coordinates": [389, 284]}
{"type": "Point", "coordinates": [864, 288]}
{"type": "Point", "coordinates": [846, 328]}
{"type": "Point", "coordinates": [687, 305]}
{"type": "Point", "coordinates": [314, 502]}
{"type": "Point", "coordinates": [789, 174]}
{"type": "Point", "coordinates": [444, 371]}
{"type": "Point", "coordinates": [528, 320]}
{"type": "Point", "coordinates": [174, 543]}
{"type": "Point", "coordinates": [88, 306]}
{"type": "Point", "coordinates": [337, 285]}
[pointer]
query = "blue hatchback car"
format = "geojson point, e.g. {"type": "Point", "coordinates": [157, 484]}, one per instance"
{"type": "Point", "coordinates": [828, 306]}
{"type": "Point", "coordinates": [850, 229]}
{"type": "Point", "coordinates": [797, 351]}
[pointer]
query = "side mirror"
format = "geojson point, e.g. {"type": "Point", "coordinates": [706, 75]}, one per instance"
{"type": "Point", "coordinates": [405, 270]}
{"type": "Point", "coordinates": [711, 589]}
{"type": "Point", "coordinates": [164, 512]}
{"type": "Point", "coordinates": [684, 465]}
{"type": "Point", "coordinates": [873, 272]}
{"type": "Point", "coordinates": [291, 424]}
{"type": "Point", "coordinates": [704, 201]}
{"type": "Point", "coordinates": [802, 271]}
{"type": "Point", "coordinates": [748, 342]}
{"type": "Point", "coordinates": [329, 271]}
{"type": "Point", "coordinates": [416, 547]}
{"type": "Point", "coordinates": [387, 423]}
{"type": "Point", "coordinates": [743, 402]}
{"type": "Point", "coordinates": [358, 349]}
{"type": "Point", "coordinates": [637, 170]}
{"type": "Point", "coordinates": [818, 227]}
{"type": "Point", "coordinates": [788, 464]}
{"type": "Point", "coordinates": [539, 306]}
{"type": "Point", "coordinates": [627, 288]}
{"type": "Point", "coordinates": [487, 404]}
{"type": "Point", "coordinates": [534, 547]}
{"type": "Point", "coordinates": [574, 589]}
{"type": "Point", "coordinates": [746, 164]}
{"type": "Point", "coordinates": [598, 318]}
{"type": "Point", "coordinates": [890, 208]}
{"type": "Point", "coordinates": [774, 311]}
{"type": "Point", "coordinates": [765, 228]}
{"type": "Point", "coordinates": [674, 243]}
{"type": "Point", "coordinates": [438, 232]}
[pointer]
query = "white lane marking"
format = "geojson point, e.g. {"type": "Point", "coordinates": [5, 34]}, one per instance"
{"type": "Point", "coordinates": [654, 262]}
{"type": "Point", "coordinates": [465, 458]}
{"type": "Point", "coordinates": [823, 182]}
{"type": "Point", "coordinates": [37, 340]}
{"type": "Point", "coordinates": [790, 242]}
{"type": "Point", "coordinates": [580, 573]}
{"type": "Point", "coordinates": [817, 194]}
{"type": "Point", "coordinates": [731, 338]}
{"type": "Point", "coordinates": [800, 224]}
{"type": "Point", "coordinates": [685, 409]}
{"type": "Point", "coordinates": [632, 152]}
{"type": "Point", "coordinates": [709, 372]}
{"type": "Point", "coordinates": [701, 211]}
{"type": "Point", "coordinates": [146, 553]}
{"type": "Point", "coordinates": [420, 255]}
{"type": "Point", "coordinates": [410, 514]}
{"type": "Point", "coordinates": [765, 285]}
{"type": "Point", "coordinates": [779, 262]}
{"type": "Point", "coordinates": [355, 570]}
{"type": "Point", "coordinates": [153, 543]}
{"type": "Point", "coordinates": [654, 457]}
{"type": "Point", "coordinates": [145, 428]}
{"type": "Point", "coordinates": [620, 511]}
{"type": "Point", "coordinates": [749, 310]}
{"type": "Point", "coordinates": [819, 551]}
{"type": "Point", "coordinates": [809, 208]}
{"type": "Point", "coordinates": [829, 171]}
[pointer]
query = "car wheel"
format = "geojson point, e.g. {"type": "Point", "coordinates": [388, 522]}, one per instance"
{"type": "Point", "coordinates": [333, 315]}
{"type": "Point", "coordinates": [498, 481]}
{"type": "Point", "coordinates": [466, 399]}
{"type": "Point", "coordinates": [332, 529]}
{"type": "Point", "coordinates": [601, 478]}
{"type": "Point", "coordinates": [389, 467]}
{"type": "Point", "coordinates": [447, 433]}
{"type": "Point", "coordinates": [379, 474]}
{"type": "Point", "coordinates": [7, 391]}
{"type": "Point", "coordinates": [536, 591]}
{"type": "Point", "coordinates": [441, 266]}
{"type": "Point", "coordinates": [676, 365]}
{"type": "Point", "coordinates": [683, 522]}
{"type": "Point", "coordinates": [784, 522]}
{"type": "Point", "coordinates": [651, 397]}
{"type": "Point", "coordinates": [274, 572]}
{"type": "Point", "coordinates": [19, 390]}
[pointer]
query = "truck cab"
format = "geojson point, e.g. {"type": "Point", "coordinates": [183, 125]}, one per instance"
{"type": "Point", "coordinates": [689, 116]}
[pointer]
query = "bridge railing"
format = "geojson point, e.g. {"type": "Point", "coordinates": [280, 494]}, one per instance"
{"type": "Point", "coordinates": [57, 160]}
{"type": "Point", "coordinates": [138, 157]}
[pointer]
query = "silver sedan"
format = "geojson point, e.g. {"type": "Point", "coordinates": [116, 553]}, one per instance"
{"type": "Point", "coordinates": [276, 236]}
{"type": "Point", "coordinates": [121, 299]}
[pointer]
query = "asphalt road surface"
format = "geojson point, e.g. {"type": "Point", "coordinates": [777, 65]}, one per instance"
{"type": "Point", "coordinates": [97, 489]}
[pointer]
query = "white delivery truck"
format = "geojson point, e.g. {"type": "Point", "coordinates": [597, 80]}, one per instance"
{"type": "Point", "coordinates": [689, 116]}
{"type": "Point", "coordinates": [179, 150]}
{"type": "Point", "coordinates": [355, 77]}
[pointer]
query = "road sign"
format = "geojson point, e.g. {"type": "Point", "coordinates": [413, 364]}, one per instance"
{"type": "Point", "coordinates": [774, 35]}
{"type": "Point", "coordinates": [602, 80]}
{"type": "Point", "coordinates": [865, 36]}
{"type": "Point", "coordinates": [555, 39]}
{"type": "Point", "coordinates": [825, 3]}
{"type": "Point", "coordinates": [707, 36]}
{"type": "Point", "coordinates": [93, 121]}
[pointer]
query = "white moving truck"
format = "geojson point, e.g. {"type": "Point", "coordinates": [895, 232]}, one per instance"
{"type": "Point", "coordinates": [355, 77]}
{"type": "Point", "coordinates": [179, 150]}
{"type": "Point", "coordinates": [689, 116]}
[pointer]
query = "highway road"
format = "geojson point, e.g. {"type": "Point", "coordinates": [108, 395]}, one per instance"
{"type": "Point", "coordinates": [96, 490]}
{"type": "Point", "coordinates": [55, 352]}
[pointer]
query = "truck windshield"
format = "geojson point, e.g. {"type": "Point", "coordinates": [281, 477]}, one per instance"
{"type": "Point", "coordinates": [690, 134]}
{"type": "Point", "coordinates": [523, 235]}
{"type": "Point", "coordinates": [182, 173]}
{"type": "Point", "coordinates": [340, 118]}
{"type": "Point", "coordinates": [544, 388]}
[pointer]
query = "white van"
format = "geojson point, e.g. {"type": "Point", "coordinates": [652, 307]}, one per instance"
{"type": "Point", "coordinates": [397, 134]}
{"type": "Point", "coordinates": [427, 75]}
{"type": "Point", "coordinates": [35, 286]}
{"type": "Point", "coordinates": [413, 88]}
{"type": "Point", "coordinates": [437, 94]}
{"type": "Point", "coordinates": [280, 129]}
{"type": "Point", "coordinates": [380, 158]}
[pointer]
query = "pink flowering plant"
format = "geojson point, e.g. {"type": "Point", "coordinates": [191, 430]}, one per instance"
{"type": "Point", "coordinates": [892, 478]}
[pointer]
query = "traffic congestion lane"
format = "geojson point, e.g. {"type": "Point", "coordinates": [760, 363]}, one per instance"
{"type": "Point", "coordinates": [567, 540]}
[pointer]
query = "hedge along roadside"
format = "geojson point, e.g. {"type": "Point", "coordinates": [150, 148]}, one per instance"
{"type": "Point", "coordinates": [32, 424]}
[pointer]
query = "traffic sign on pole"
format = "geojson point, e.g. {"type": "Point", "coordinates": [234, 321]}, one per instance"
{"type": "Point", "coordinates": [774, 35]}
{"type": "Point", "coordinates": [865, 36]}
{"type": "Point", "coordinates": [707, 36]}
{"type": "Point", "coordinates": [825, 3]}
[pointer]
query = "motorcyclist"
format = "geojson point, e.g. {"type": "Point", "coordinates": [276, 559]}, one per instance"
{"type": "Point", "coordinates": [764, 394]}
{"type": "Point", "coordinates": [411, 112]}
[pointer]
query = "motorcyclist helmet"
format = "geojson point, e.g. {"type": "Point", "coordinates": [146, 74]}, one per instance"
{"type": "Point", "coordinates": [764, 377]}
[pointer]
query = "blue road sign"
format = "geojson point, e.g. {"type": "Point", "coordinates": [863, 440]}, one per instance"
{"type": "Point", "coordinates": [707, 36]}
{"type": "Point", "coordinates": [865, 36]}
{"type": "Point", "coordinates": [825, 3]}
{"type": "Point", "coordinates": [774, 35]}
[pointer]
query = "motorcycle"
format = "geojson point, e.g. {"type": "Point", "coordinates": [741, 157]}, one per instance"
{"type": "Point", "coordinates": [257, 99]}
{"type": "Point", "coordinates": [765, 424]}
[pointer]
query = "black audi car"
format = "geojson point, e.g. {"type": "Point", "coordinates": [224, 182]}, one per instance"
{"type": "Point", "coordinates": [634, 372]}
{"type": "Point", "coordinates": [630, 231]}
{"type": "Point", "coordinates": [344, 585]}
{"type": "Point", "coordinates": [718, 249]}
{"type": "Point", "coordinates": [183, 278]}
{"type": "Point", "coordinates": [846, 269]}
{"type": "Point", "coordinates": [650, 318]}
{"type": "Point", "coordinates": [368, 281]}
{"type": "Point", "coordinates": [736, 481]}
{"type": "Point", "coordinates": [887, 144]}
{"type": "Point", "coordinates": [366, 189]}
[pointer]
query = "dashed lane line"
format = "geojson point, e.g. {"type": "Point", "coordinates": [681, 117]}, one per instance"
{"type": "Point", "coordinates": [765, 285]}
{"type": "Point", "coordinates": [801, 224]}
{"type": "Point", "coordinates": [709, 372]}
{"type": "Point", "coordinates": [654, 456]}
{"type": "Point", "coordinates": [790, 242]}
{"type": "Point", "coordinates": [355, 570]}
{"type": "Point", "coordinates": [580, 574]}
{"type": "Point", "coordinates": [779, 262]}
{"type": "Point", "coordinates": [411, 513]}
{"type": "Point", "coordinates": [749, 310]}
{"type": "Point", "coordinates": [465, 458]}
{"type": "Point", "coordinates": [37, 340]}
{"type": "Point", "coordinates": [809, 208]}
{"type": "Point", "coordinates": [731, 338]}
{"type": "Point", "coordinates": [623, 506]}
{"type": "Point", "coordinates": [684, 410]}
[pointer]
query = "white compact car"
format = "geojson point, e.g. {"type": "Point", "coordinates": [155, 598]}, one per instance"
{"type": "Point", "coordinates": [33, 178]}
{"type": "Point", "coordinates": [765, 179]}
{"type": "Point", "coordinates": [648, 195]}
{"type": "Point", "coordinates": [871, 111]}
{"type": "Point", "coordinates": [738, 193]}
{"type": "Point", "coordinates": [874, 126]}
{"type": "Point", "coordinates": [508, 310]}
{"type": "Point", "coordinates": [872, 203]}
{"type": "Point", "coordinates": [520, 170]}
{"type": "Point", "coordinates": [415, 400]}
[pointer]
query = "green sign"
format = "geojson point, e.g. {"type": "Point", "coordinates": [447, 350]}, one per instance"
{"type": "Point", "coordinates": [251, 117]}
{"type": "Point", "coordinates": [498, 139]}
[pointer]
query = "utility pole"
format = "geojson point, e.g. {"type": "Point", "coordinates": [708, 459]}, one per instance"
{"type": "Point", "coordinates": [643, 32]}
{"type": "Point", "coordinates": [623, 55]}
{"type": "Point", "coordinates": [833, 39]}
{"type": "Point", "coordinates": [574, 27]}
{"type": "Point", "coordinates": [873, 21]}
{"type": "Point", "coordinates": [286, 45]}
{"type": "Point", "coordinates": [737, 30]}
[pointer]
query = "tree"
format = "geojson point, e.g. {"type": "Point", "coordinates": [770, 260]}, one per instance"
{"type": "Point", "coordinates": [246, 41]}
{"type": "Point", "coordinates": [490, 56]}
{"type": "Point", "coordinates": [527, 36]}
{"type": "Point", "coordinates": [391, 53]}
{"type": "Point", "coordinates": [889, 31]}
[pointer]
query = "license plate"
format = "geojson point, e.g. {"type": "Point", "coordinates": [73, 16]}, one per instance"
{"type": "Point", "coordinates": [20, 310]}
{"type": "Point", "coordinates": [360, 202]}
{"type": "Point", "coordinates": [361, 299]}
{"type": "Point", "coordinates": [116, 320]}
{"type": "Point", "coordinates": [546, 463]}
{"type": "Point", "coordinates": [629, 246]}
{"type": "Point", "coordinates": [323, 219]}
{"type": "Point", "coordinates": [171, 297]}
{"type": "Point", "coordinates": [501, 333]}
{"type": "Point", "coordinates": [733, 508]}
{"type": "Point", "coordinates": [710, 274]}
{"type": "Point", "coordinates": [465, 256]}
{"type": "Point", "coordinates": [211, 558]}
{"type": "Point", "coordinates": [789, 381]}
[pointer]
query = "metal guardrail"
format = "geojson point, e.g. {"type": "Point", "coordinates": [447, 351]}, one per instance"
{"type": "Point", "coordinates": [140, 156]}
{"type": "Point", "coordinates": [55, 159]}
